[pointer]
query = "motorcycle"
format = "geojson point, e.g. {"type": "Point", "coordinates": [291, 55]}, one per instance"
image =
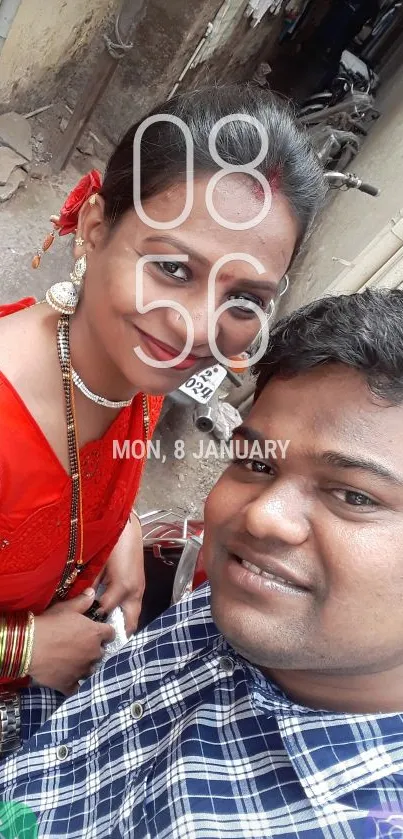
{"type": "Point", "coordinates": [334, 146]}
{"type": "Point", "coordinates": [354, 76]}
{"type": "Point", "coordinates": [368, 44]}
{"type": "Point", "coordinates": [173, 561]}
{"type": "Point", "coordinates": [347, 180]}
{"type": "Point", "coordinates": [200, 393]}
{"type": "Point", "coordinates": [336, 117]}
{"type": "Point", "coordinates": [343, 122]}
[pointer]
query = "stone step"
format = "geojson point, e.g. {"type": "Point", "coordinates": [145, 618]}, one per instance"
{"type": "Point", "coordinates": [15, 132]}
{"type": "Point", "coordinates": [9, 160]}
{"type": "Point", "coordinates": [16, 179]}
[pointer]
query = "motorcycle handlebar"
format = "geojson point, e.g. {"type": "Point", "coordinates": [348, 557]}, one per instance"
{"type": "Point", "coordinates": [339, 179]}
{"type": "Point", "coordinates": [368, 189]}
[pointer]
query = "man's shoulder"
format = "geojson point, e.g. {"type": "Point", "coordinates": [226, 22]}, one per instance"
{"type": "Point", "coordinates": [184, 633]}
{"type": "Point", "coordinates": [192, 617]}
{"type": "Point", "coordinates": [184, 630]}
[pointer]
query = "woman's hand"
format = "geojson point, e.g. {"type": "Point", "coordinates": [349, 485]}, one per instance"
{"type": "Point", "coordinates": [124, 576]}
{"type": "Point", "coordinates": [67, 645]}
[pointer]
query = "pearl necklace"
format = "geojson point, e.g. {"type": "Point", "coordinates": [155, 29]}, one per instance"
{"type": "Point", "coordinates": [100, 400]}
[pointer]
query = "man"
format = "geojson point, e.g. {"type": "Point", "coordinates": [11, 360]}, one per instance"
{"type": "Point", "coordinates": [277, 712]}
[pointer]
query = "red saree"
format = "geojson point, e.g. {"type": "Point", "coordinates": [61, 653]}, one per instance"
{"type": "Point", "coordinates": [35, 493]}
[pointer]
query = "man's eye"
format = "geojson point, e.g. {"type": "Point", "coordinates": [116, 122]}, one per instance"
{"type": "Point", "coordinates": [174, 269]}
{"type": "Point", "coordinates": [256, 466]}
{"type": "Point", "coordinates": [247, 305]}
{"type": "Point", "coordinates": [355, 499]}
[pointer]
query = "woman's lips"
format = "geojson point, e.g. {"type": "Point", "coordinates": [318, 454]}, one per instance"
{"type": "Point", "coordinates": [162, 352]}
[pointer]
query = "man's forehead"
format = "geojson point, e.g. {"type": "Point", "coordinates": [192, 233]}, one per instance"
{"type": "Point", "coordinates": [328, 408]}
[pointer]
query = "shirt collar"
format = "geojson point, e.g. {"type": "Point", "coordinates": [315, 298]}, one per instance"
{"type": "Point", "coordinates": [332, 754]}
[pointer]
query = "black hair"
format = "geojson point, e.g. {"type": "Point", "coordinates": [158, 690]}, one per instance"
{"type": "Point", "coordinates": [290, 161]}
{"type": "Point", "coordinates": [363, 331]}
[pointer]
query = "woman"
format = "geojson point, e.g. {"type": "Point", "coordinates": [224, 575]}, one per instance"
{"type": "Point", "coordinates": [78, 374]}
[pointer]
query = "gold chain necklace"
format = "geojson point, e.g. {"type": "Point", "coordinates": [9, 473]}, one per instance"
{"type": "Point", "coordinates": [74, 562]}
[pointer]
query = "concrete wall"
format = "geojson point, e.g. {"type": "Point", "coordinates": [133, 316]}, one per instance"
{"type": "Point", "coordinates": [45, 36]}
{"type": "Point", "coordinates": [163, 43]}
{"type": "Point", "coordinates": [237, 58]}
{"type": "Point", "coordinates": [353, 220]}
{"type": "Point", "coordinates": [52, 48]}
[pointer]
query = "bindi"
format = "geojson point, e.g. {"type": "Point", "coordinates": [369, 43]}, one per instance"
{"type": "Point", "coordinates": [274, 180]}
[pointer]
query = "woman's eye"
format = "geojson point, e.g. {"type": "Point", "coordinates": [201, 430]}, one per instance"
{"type": "Point", "coordinates": [174, 269]}
{"type": "Point", "coordinates": [247, 304]}
{"type": "Point", "coordinates": [355, 499]}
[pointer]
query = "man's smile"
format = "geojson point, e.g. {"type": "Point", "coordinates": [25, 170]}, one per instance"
{"type": "Point", "coordinates": [263, 578]}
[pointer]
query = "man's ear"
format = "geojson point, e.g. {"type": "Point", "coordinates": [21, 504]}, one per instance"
{"type": "Point", "coordinates": [92, 226]}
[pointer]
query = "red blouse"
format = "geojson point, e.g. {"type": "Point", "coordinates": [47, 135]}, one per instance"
{"type": "Point", "coordinates": [35, 495]}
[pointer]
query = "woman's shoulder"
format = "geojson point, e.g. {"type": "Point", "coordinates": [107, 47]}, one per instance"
{"type": "Point", "coordinates": [26, 384]}
{"type": "Point", "coordinates": [17, 334]}
{"type": "Point", "coordinates": [25, 337]}
{"type": "Point", "coordinates": [10, 350]}
{"type": "Point", "coordinates": [18, 306]}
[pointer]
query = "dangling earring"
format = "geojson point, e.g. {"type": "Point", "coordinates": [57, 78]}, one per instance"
{"type": "Point", "coordinates": [63, 297]}
{"type": "Point", "coordinates": [48, 242]}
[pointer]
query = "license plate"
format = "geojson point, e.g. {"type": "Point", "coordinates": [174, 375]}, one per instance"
{"type": "Point", "coordinates": [202, 385]}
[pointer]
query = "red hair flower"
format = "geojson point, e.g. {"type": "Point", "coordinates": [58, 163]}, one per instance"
{"type": "Point", "coordinates": [67, 221]}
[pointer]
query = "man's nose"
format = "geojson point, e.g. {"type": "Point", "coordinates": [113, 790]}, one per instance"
{"type": "Point", "coordinates": [280, 513]}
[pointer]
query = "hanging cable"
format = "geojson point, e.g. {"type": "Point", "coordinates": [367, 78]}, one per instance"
{"type": "Point", "coordinates": [117, 49]}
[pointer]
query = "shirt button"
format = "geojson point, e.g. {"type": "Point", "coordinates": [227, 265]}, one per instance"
{"type": "Point", "coordinates": [227, 665]}
{"type": "Point", "coordinates": [136, 710]}
{"type": "Point", "coordinates": [62, 752]}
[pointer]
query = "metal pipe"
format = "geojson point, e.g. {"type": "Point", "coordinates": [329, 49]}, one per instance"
{"type": "Point", "coordinates": [204, 417]}
{"type": "Point", "coordinates": [243, 393]}
{"type": "Point", "coordinates": [390, 275]}
{"type": "Point", "coordinates": [245, 406]}
{"type": "Point", "coordinates": [187, 67]}
{"type": "Point", "coordinates": [371, 260]}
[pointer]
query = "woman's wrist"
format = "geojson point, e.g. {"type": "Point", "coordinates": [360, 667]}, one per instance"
{"type": "Point", "coordinates": [28, 645]}
{"type": "Point", "coordinates": [17, 632]}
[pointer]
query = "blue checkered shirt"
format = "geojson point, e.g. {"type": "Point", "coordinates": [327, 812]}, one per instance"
{"type": "Point", "coordinates": [178, 737]}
